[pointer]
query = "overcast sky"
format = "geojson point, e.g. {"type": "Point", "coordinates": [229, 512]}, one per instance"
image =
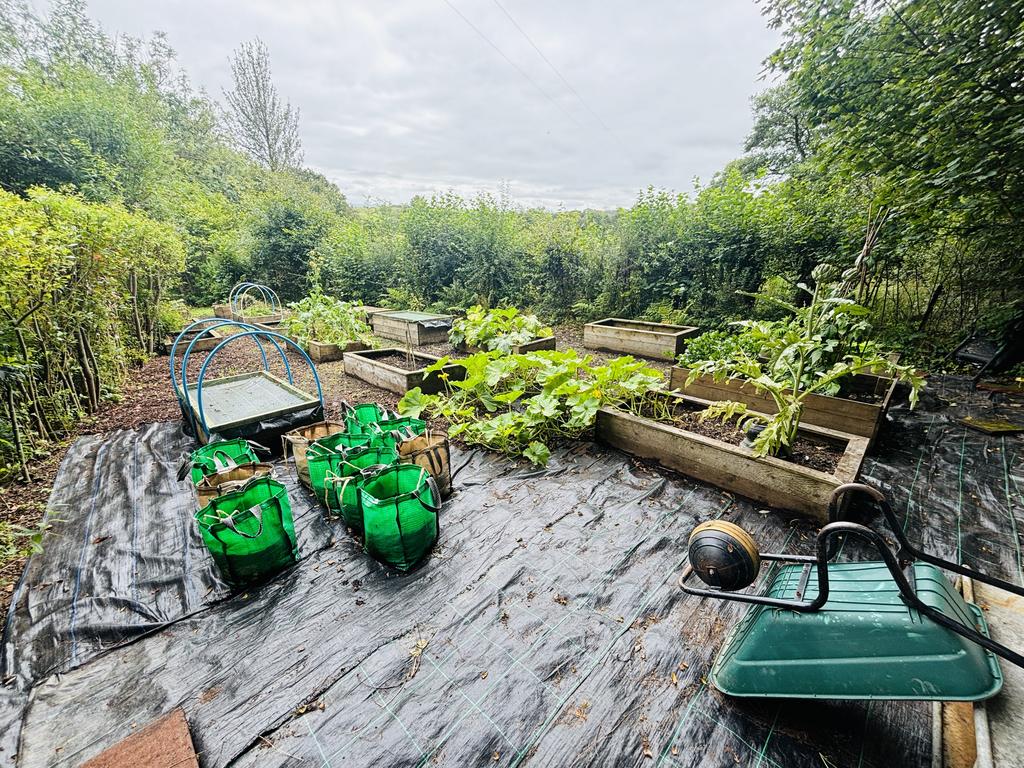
{"type": "Point", "coordinates": [404, 97]}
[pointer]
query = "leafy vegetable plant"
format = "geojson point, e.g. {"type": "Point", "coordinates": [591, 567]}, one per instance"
{"type": "Point", "coordinates": [521, 404]}
{"type": "Point", "coordinates": [798, 359]}
{"type": "Point", "coordinates": [496, 329]}
{"type": "Point", "coordinates": [329, 321]}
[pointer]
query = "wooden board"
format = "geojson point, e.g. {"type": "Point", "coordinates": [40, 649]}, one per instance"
{"type": "Point", "coordinates": [164, 743]}
{"type": "Point", "coordinates": [637, 337]}
{"type": "Point", "coordinates": [399, 326]}
{"type": "Point", "coordinates": [768, 480]}
{"type": "Point", "coordinates": [366, 366]}
{"type": "Point", "coordinates": [853, 417]}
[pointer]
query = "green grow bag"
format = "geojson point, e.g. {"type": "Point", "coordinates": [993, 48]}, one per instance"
{"type": "Point", "coordinates": [400, 509]}
{"type": "Point", "coordinates": [396, 430]}
{"type": "Point", "coordinates": [250, 532]}
{"type": "Point", "coordinates": [323, 457]}
{"type": "Point", "coordinates": [215, 457]}
{"type": "Point", "coordinates": [362, 418]}
{"type": "Point", "coordinates": [348, 474]}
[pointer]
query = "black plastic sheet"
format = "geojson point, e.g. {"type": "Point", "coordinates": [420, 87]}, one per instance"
{"type": "Point", "coordinates": [545, 630]}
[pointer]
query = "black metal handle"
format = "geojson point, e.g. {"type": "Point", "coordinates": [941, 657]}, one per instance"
{"type": "Point", "coordinates": [908, 552]}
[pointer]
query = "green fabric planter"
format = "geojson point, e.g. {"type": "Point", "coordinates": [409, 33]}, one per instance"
{"type": "Point", "coordinates": [400, 515]}
{"type": "Point", "coordinates": [323, 457]}
{"type": "Point", "coordinates": [362, 418]}
{"type": "Point", "coordinates": [250, 532]}
{"type": "Point", "coordinates": [344, 480]}
{"type": "Point", "coordinates": [218, 456]}
{"type": "Point", "coordinates": [394, 431]}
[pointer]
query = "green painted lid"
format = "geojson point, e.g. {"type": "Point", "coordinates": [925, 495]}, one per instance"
{"type": "Point", "coordinates": [864, 644]}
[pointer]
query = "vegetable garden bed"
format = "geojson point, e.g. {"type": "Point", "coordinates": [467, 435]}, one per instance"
{"type": "Point", "coordinates": [208, 339]}
{"type": "Point", "coordinates": [535, 345]}
{"type": "Point", "coordinates": [637, 337]}
{"type": "Point", "coordinates": [858, 411]}
{"type": "Point", "coordinates": [398, 370]}
{"type": "Point", "coordinates": [773, 481]}
{"type": "Point", "coordinates": [413, 328]}
{"type": "Point", "coordinates": [329, 353]}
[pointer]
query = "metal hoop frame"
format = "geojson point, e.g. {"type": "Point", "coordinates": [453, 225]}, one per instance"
{"type": "Point", "coordinates": [250, 331]}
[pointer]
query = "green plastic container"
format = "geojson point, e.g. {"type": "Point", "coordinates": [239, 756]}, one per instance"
{"type": "Point", "coordinates": [865, 643]}
{"type": "Point", "coordinates": [218, 456]}
{"type": "Point", "coordinates": [250, 532]}
{"type": "Point", "coordinates": [399, 508]}
{"type": "Point", "coordinates": [347, 475]}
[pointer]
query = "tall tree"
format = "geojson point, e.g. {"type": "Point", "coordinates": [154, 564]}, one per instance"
{"type": "Point", "coordinates": [261, 124]}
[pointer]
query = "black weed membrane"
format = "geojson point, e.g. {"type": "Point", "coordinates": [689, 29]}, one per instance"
{"type": "Point", "coordinates": [545, 629]}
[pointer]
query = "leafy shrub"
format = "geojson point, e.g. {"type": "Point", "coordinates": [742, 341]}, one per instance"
{"type": "Point", "coordinates": [171, 317]}
{"type": "Point", "coordinates": [520, 404]}
{"type": "Point", "coordinates": [798, 358]}
{"type": "Point", "coordinates": [327, 320]}
{"type": "Point", "coordinates": [717, 345]}
{"type": "Point", "coordinates": [496, 329]}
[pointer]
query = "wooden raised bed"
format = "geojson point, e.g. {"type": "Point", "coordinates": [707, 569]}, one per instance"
{"type": "Point", "coordinates": [637, 337]}
{"type": "Point", "coordinates": [412, 328]}
{"type": "Point", "coordinates": [369, 311]}
{"type": "Point", "coordinates": [535, 345]}
{"type": "Point", "coordinates": [855, 417]}
{"type": "Point", "coordinates": [329, 353]}
{"type": "Point", "coordinates": [368, 366]}
{"type": "Point", "coordinates": [208, 339]}
{"type": "Point", "coordinates": [770, 481]}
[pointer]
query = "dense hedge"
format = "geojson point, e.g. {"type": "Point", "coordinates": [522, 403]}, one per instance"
{"type": "Point", "coordinates": [78, 295]}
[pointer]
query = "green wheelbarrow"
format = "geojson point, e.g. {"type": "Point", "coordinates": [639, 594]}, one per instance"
{"type": "Point", "coordinates": [893, 628]}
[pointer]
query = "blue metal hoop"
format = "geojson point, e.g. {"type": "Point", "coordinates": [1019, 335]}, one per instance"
{"type": "Point", "coordinates": [256, 333]}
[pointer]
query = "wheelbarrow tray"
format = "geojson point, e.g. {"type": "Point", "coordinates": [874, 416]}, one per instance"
{"type": "Point", "coordinates": [865, 643]}
{"type": "Point", "coordinates": [232, 402]}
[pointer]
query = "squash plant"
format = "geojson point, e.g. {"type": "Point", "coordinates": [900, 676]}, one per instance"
{"type": "Point", "coordinates": [795, 359]}
{"type": "Point", "coordinates": [521, 404]}
{"type": "Point", "coordinates": [327, 320]}
{"type": "Point", "coordinates": [496, 329]}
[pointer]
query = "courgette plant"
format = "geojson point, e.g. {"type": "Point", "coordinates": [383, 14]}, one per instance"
{"type": "Point", "coordinates": [795, 363]}
{"type": "Point", "coordinates": [520, 404]}
{"type": "Point", "coordinates": [327, 320]}
{"type": "Point", "coordinates": [496, 329]}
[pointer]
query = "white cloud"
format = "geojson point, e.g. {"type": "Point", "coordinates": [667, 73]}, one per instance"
{"type": "Point", "coordinates": [402, 98]}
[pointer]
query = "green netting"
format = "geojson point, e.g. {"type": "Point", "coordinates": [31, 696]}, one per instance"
{"type": "Point", "coordinates": [250, 532]}
{"type": "Point", "coordinates": [399, 508]}
{"type": "Point", "coordinates": [393, 431]}
{"type": "Point", "coordinates": [344, 480]}
{"type": "Point", "coordinates": [222, 454]}
{"type": "Point", "coordinates": [362, 418]}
